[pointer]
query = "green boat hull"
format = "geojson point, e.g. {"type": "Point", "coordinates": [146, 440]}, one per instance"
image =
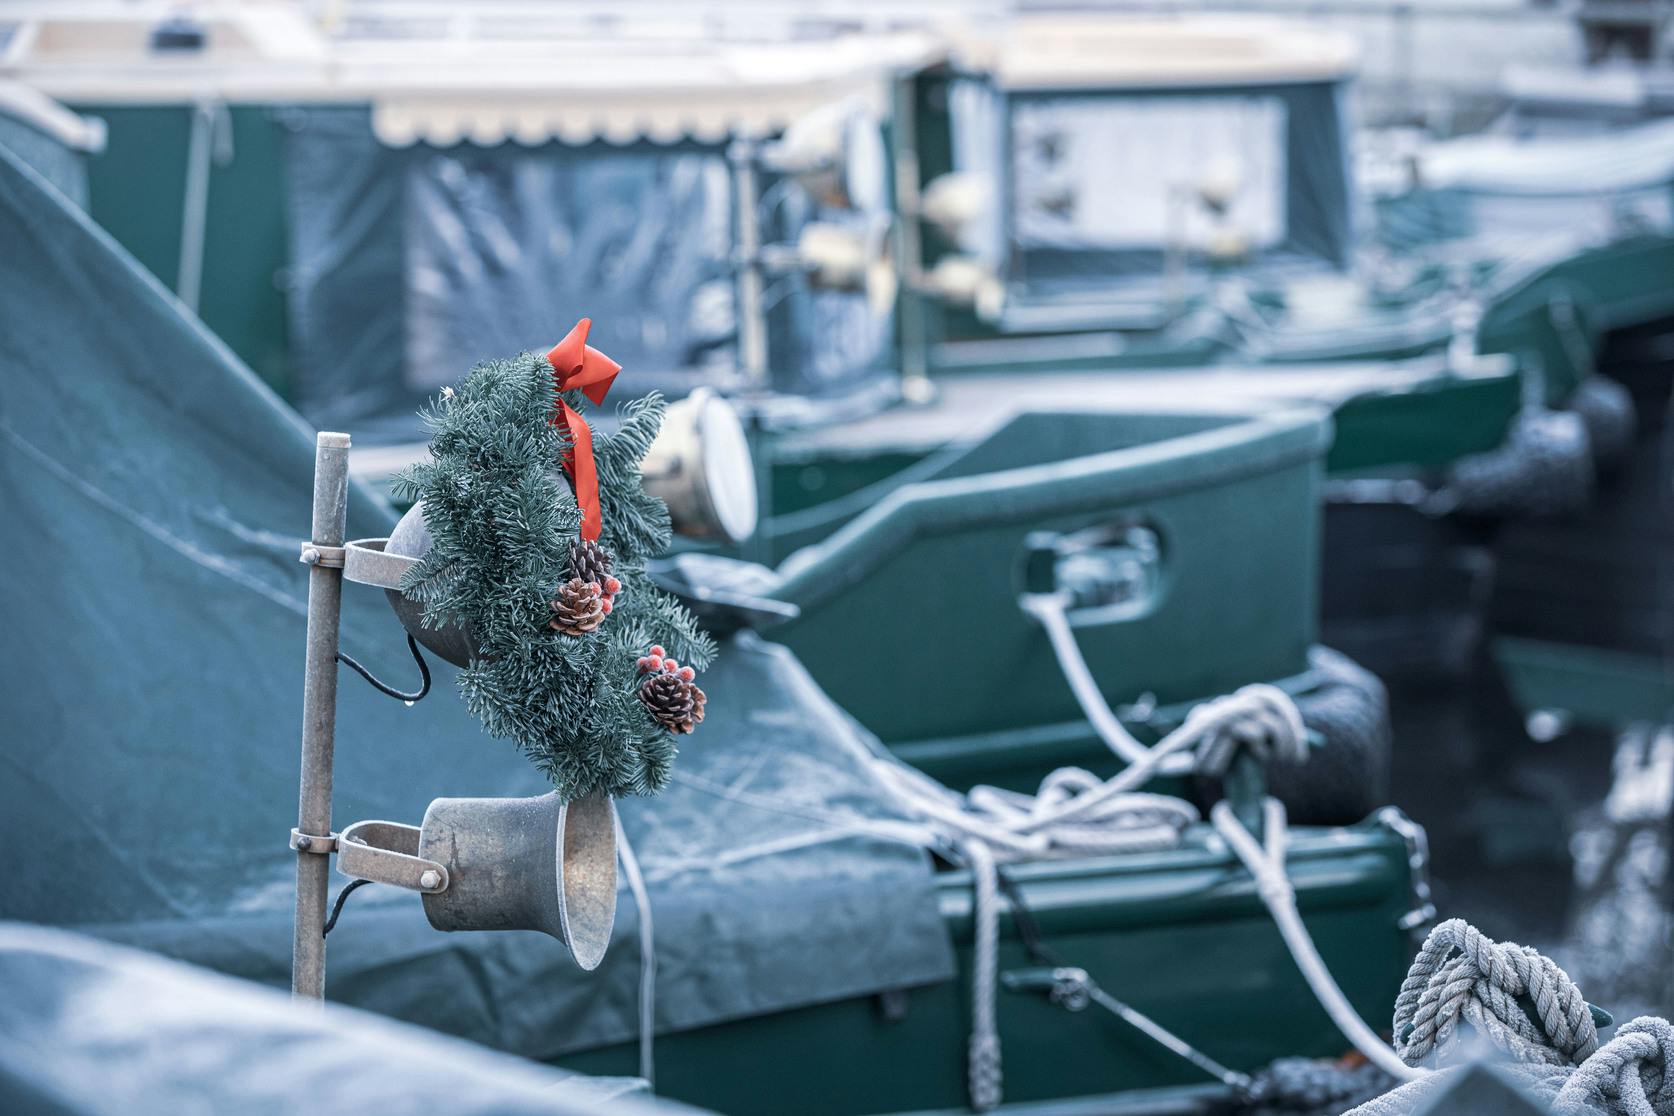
{"type": "Point", "coordinates": [1178, 935]}
{"type": "Point", "coordinates": [930, 573]}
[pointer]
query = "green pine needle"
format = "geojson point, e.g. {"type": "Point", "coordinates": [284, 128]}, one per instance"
{"type": "Point", "coordinates": [502, 516]}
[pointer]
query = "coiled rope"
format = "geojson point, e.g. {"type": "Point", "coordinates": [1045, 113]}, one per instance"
{"type": "Point", "coordinates": [1526, 1007]}
{"type": "Point", "coordinates": [1461, 974]}
{"type": "Point", "coordinates": [1076, 814]}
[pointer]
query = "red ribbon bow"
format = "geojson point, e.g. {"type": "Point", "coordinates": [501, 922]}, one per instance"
{"type": "Point", "coordinates": [576, 364]}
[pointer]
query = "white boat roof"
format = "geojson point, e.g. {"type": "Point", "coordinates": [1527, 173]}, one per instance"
{"type": "Point", "coordinates": [487, 87]}
{"type": "Point", "coordinates": [1101, 51]}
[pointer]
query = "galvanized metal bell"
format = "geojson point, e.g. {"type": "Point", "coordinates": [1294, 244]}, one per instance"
{"type": "Point", "coordinates": [502, 864]}
{"type": "Point", "coordinates": [526, 864]}
{"type": "Point", "coordinates": [700, 466]}
{"type": "Point", "coordinates": [453, 642]}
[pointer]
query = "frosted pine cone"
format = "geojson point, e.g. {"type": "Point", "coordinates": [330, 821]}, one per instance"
{"type": "Point", "coordinates": [579, 609]}
{"type": "Point", "coordinates": [669, 700]}
{"type": "Point", "coordinates": [669, 692]}
{"type": "Point", "coordinates": [589, 561]}
{"type": "Point", "coordinates": [698, 698]}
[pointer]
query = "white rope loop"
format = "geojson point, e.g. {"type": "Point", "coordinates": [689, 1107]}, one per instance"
{"type": "Point", "coordinates": [1075, 813]}
{"type": "Point", "coordinates": [1260, 716]}
{"type": "Point", "coordinates": [1461, 974]}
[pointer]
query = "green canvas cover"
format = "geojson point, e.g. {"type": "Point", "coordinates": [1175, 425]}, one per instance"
{"type": "Point", "coordinates": [154, 494]}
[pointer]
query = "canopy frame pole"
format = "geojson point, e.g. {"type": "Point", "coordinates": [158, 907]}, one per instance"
{"type": "Point", "coordinates": [751, 294]}
{"type": "Point", "coordinates": [314, 840]}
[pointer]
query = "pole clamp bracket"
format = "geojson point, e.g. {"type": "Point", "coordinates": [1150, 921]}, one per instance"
{"type": "Point", "coordinates": [316, 554]}
{"type": "Point", "coordinates": [388, 853]}
{"type": "Point", "coordinates": [313, 843]}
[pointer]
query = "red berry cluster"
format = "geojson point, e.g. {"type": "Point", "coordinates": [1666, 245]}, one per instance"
{"type": "Point", "coordinates": [658, 660]}
{"type": "Point", "coordinates": [607, 593]}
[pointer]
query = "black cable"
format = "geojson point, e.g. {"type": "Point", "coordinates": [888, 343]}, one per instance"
{"type": "Point", "coordinates": [1028, 930]}
{"type": "Point", "coordinates": [386, 688]}
{"type": "Point", "coordinates": [337, 907]}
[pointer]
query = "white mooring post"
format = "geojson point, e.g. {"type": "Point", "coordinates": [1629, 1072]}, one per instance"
{"type": "Point", "coordinates": [313, 839]}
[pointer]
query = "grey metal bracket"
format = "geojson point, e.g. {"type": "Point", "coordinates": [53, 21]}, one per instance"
{"type": "Point", "coordinates": [366, 563]}
{"type": "Point", "coordinates": [316, 554]}
{"type": "Point", "coordinates": [313, 842]}
{"type": "Point", "coordinates": [387, 852]}
{"type": "Point", "coordinates": [1066, 986]}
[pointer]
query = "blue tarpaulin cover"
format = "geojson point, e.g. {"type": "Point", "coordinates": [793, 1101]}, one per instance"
{"type": "Point", "coordinates": [408, 264]}
{"type": "Point", "coordinates": [155, 493]}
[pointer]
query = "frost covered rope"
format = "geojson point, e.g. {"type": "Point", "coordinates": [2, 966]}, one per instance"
{"type": "Point", "coordinates": [1633, 1074]}
{"type": "Point", "coordinates": [1051, 611]}
{"type": "Point", "coordinates": [1528, 1009]}
{"type": "Point", "coordinates": [1461, 974]}
{"type": "Point", "coordinates": [1077, 814]}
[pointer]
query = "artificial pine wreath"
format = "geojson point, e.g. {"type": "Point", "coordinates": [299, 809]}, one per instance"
{"type": "Point", "coordinates": [562, 622]}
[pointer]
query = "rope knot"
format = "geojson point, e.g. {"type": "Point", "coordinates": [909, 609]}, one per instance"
{"type": "Point", "coordinates": [1513, 996]}
{"type": "Point", "coordinates": [983, 1065]}
{"type": "Point", "coordinates": [1261, 718]}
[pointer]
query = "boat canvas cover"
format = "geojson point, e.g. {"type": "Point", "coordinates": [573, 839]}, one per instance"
{"type": "Point", "coordinates": [1502, 192]}
{"type": "Point", "coordinates": [155, 494]}
{"type": "Point", "coordinates": [409, 264]}
{"type": "Point", "coordinates": [96, 1031]}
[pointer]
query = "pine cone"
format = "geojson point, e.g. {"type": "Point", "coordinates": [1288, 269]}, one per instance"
{"type": "Point", "coordinates": [589, 561]}
{"type": "Point", "coordinates": [579, 608]}
{"type": "Point", "coordinates": [698, 698]}
{"type": "Point", "coordinates": [669, 700]}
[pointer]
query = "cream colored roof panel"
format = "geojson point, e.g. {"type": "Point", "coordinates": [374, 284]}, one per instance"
{"type": "Point", "coordinates": [1101, 51]}
{"type": "Point", "coordinates": [665, 115]}
{"type": "Point", "coordinates": [622, 92]}
{"type": "Point", "coordinates": [446, 91]}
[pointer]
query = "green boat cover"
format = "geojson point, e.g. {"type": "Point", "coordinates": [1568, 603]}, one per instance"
{"type": "Point", "coordinates": [155, 494]}
{"type": "Point", "coordinates": [1506, 192]}
{"type": "Point", "coordinates": [96, 1031]}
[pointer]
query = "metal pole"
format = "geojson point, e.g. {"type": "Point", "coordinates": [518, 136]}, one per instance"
{"type": "Point", "coordinates": [200, 152]}
{"type": "Point", "coordinates": [752, 306]}
{"type": "Point", "coordinates": [1245, 788]}
{"type": "Point", "coordinates": [1175, 248]}
{"type": "Point", "coordinates": [909, 245]}
{"type": "Point", "coordinates": [319, 714]}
